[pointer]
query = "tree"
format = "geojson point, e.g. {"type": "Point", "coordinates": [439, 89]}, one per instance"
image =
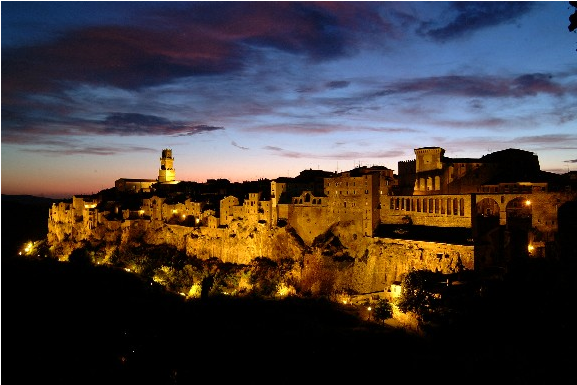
{"type": "Point", "coordinates": [80, 257]}
{"type": "Point", "coordinates": [573, 18]}
{"type": "Point", "coordinates": [383, 310]}
{"type": "Point", "coordinates": [415, 295]}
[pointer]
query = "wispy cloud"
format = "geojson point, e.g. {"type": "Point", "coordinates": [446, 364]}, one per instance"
{"type": "Point", "coordinates": [238, 146]}
{"type": "Point", "coordinates": [44, 131]}
{"type": "Point", "coordinates": [140, 124]}
{"type": "Point", "coordinates": [348, 155]}
{"type": "Point", "coordinates": [480, 145]}
{"type": "Point", "coordinates": [335, 84]}
{"type": "Point", "coordinates": [467, 17]}
{"type": "Point", "coordinates": [478, 86]}
{"type": "Point", "coordinates": [89, 150]}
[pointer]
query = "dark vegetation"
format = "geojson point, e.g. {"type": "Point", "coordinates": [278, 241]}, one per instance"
{"type": "Point", "coordinates": [68, 323]}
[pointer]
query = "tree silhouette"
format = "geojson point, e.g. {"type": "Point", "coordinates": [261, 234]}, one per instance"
{"type": "Point", "coordinates": [383, 310]}
{"type": "Point", "coordinates": [573, 17]}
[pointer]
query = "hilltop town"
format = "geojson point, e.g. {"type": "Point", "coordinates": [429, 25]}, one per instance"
{"type": "Point", "coordinates": [440, 214]}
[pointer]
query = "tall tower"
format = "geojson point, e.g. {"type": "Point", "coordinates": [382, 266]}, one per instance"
{"type": "Point", "coordinates": [166, 172]}
{"type": "Point", "coordinates": [429, 158]}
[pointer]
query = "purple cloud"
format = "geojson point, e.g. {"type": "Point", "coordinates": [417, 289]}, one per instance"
{"type": "Point", "coordinates": [188, 39]}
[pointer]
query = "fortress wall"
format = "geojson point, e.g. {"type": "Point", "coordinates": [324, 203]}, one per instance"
{"type": "Point", "coordinates": [374, 265]}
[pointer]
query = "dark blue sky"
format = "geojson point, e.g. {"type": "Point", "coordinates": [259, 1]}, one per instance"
{"type": "Point", "coordinates": [93, 91]}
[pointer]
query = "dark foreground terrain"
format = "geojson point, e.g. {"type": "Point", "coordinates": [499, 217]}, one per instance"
{"type": "Point", "coordinates": [67, 324]}
{"type": "Point", "coordinates": [24, 219]}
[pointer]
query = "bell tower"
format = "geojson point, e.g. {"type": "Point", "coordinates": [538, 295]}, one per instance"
{"type": "Point", "coordinates": [166, 172]}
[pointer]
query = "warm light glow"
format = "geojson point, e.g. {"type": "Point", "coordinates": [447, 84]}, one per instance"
{"type": "Point", "coordinates": [527, 202]}
{"type": "Point", "coordinates": [369, 308]}
{"type": "Point", "coordinates": [344, 301]}
{"type": "Point", "coordinates": [197, 220]}
{"type": "Point", "coordinates": [195, 291]}
{"type": "Point", "coordinates": [284, 290]}
{"type": "Point", "coordinates": [174, 211]}
{"type": "Point", "coordinates": [183, 216]}
{"type": "Point", "coordinates": [531, 248]}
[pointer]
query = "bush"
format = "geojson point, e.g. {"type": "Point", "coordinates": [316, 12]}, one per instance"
{"type": "Point", "coordinates": [383, 310]}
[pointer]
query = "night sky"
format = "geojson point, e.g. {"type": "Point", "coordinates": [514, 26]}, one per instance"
{"type": "Point", "coordinates": [92, 92]}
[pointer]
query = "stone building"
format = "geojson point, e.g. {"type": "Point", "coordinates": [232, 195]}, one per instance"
{"type": "Point", "coordinates": [166, 175]}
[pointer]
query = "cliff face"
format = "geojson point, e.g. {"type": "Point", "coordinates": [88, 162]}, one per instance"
{"type": "Point", "coordinates": [336, 260]}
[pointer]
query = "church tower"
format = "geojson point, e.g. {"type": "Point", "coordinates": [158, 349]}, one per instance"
{"type": "Point", "coordinates": [166, 172]}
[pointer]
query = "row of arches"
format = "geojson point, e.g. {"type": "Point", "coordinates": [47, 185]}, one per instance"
{"type": "Point", "coordinates": [443, 206]}
{"type": "Point", "coordinates": [516, 207]}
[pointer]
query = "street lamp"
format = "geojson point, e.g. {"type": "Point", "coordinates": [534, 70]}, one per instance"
{"type": "Point", "coordinates": [369, 309]}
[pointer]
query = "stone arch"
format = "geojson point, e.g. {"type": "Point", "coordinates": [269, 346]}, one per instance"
{"type": "Point", "coordinates": [518, 226]}
{"type": "Point", "coordinates": [519, 208]}
{"type": "Point", "coordinates": [488, 207]}
{"type": "Point", "coordinates": [487, 220]}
